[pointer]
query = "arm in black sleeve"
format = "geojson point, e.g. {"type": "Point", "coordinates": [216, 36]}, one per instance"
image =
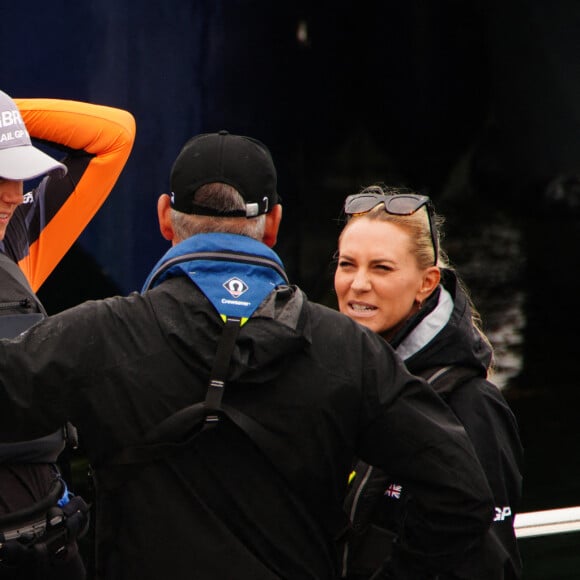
{"type": "Point", "coordinates": [418, 440]}
{"type": "Point", "coordinates": [493, 430]}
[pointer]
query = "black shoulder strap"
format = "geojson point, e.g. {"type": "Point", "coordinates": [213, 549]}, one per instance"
{"type": "Point", "coordinates": [175, 432]}
{"type": "Point", "coordinates": [178, 431]}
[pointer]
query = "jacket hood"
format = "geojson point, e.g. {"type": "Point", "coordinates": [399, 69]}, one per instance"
{"type": "Point", "coordinates": [446, 335]}
{"type": "Point", "coordinates": [243, 280]}
{"type": "Point", "coordinates": [280, 327]}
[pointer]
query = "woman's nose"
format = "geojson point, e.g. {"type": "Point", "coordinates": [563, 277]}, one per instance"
{"type": "Point", "coordinates": [11, 192]}
{"type": "Point", "coordinates": [360, 282]}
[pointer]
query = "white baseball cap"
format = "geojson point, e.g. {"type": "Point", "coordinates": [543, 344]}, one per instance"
{"type": "Point", "coordinates": [19, 159]}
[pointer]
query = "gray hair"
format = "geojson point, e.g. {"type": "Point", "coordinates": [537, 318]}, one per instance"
{"type": "Point", "coordinates": [222, 197]}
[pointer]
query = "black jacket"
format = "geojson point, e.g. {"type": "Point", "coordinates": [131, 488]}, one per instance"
{"type": "Point", "coordinates": [441, 336]}
{"type": "Point", "coordinates": [321, 385]}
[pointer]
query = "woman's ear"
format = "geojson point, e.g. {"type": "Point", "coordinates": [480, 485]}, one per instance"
{"type": "Point", "coordinates": [431, 279]}
{"type": "Point", "coordinates": [164, 217]}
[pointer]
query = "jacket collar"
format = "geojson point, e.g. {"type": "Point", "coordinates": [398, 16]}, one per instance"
{"type": "Point", "coordinates": [428, 327]}
{"type": "Point", "coordinates": [235, 272]}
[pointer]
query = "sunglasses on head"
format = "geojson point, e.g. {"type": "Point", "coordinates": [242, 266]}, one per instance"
{"type": "Point", "coordinates": [397, 204]}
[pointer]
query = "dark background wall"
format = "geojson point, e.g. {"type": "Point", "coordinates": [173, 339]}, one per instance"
{"type": "Point", "coordinates": [343, 93]}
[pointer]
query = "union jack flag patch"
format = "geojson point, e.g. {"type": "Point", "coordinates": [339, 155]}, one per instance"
{"type": "Point", "coordinates": [394, 491]}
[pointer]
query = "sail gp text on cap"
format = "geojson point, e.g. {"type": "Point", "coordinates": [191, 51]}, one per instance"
{"type": "Point", "coordinates": [13, 128]}
{"type": "Point", "coordinates": [19, 159]}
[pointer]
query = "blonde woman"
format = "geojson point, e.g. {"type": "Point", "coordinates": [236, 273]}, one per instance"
{"type": "Point", "coordinates": [392, 277]}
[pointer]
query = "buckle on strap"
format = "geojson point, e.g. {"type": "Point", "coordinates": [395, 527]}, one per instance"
{"type": "Point", "coordinates": [32, 530]}
{"type": "Point", "coordinates": [26, 532]}
{"type": "Point", "coordinates": [219, 371]}
{"type": "Point", "coordinates": [36, 511]}
{"type": "Point", "coordinates": [46, 538]}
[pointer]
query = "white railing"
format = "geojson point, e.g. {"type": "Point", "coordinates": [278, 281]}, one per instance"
{"type": "Point", "coordinates": [546, 522]}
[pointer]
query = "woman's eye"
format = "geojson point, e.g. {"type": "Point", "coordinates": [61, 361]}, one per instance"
{"type": "Point", "coordinates": [344, 264]}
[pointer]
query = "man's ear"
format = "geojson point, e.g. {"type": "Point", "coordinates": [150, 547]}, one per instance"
{"type": "Point", "coordinates": [273, 219]}
{"type": "Point", "coordinates": [164, 216]}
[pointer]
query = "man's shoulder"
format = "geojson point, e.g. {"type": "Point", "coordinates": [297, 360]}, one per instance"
{"type": "Point", "coordinates": [327, 314]}
{"type": "Point", "coordinates": [345, 332]}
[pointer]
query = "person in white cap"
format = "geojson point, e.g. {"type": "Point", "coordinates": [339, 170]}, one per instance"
{"type": "Point", "coordinates": [39, 519]}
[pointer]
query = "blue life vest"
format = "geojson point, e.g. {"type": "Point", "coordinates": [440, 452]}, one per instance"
{"type": "Point", "coordinates": [235, 280]}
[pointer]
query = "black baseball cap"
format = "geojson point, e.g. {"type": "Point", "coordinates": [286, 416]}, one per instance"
{"type": "Point", "coordinates": [242, 162]}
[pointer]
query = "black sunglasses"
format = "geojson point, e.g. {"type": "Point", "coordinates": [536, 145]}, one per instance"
{"type": "Point", "coordinates": [398, 204]}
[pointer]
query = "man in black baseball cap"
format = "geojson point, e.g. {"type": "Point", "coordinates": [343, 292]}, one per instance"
{"type": "Point", "coordinates": [225, 177]}
{"type": "Point", "coordinates": [242, 162]}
